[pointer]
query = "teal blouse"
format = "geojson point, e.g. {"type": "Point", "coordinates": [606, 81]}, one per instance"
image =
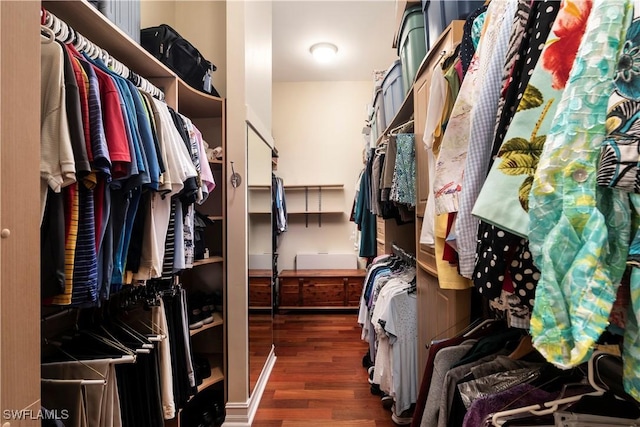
{"type": "Point", "coordinates": [579, 233]}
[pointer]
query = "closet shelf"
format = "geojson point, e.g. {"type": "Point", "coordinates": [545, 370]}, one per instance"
{"type": "Point", "coordinates": [210, 260]}
{"type": "Point", "coordinates": [217, 321]}
{"type": "Point", "coordinates": [310, 186]}
{"type": "Point", "coordinates": [428, 268]}
{"type": "Point", "coordinates": [216, 217]}
{"type": "Point", "coordinates": [87, 20]}
{"type": "Point", "coordinates": [403, 115]}
{"type": "Point", "coordinates": [315, 212]}
{"type": "Point", "coordinates": [216, 377]}
{"type": "Point", "coordinates": [195, 104]}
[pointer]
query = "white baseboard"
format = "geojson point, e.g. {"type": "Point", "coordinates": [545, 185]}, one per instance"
{"type": "Point", "coordinates": [241, 414]}
{"type": "Point", "coordinates": [261, 384]}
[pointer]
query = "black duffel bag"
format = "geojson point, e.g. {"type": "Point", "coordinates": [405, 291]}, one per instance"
{"type": "Point", "coordinates": [164, 43]}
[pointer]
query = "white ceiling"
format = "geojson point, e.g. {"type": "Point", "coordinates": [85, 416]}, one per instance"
{"type": "Point", "coordinates": [362, 29]}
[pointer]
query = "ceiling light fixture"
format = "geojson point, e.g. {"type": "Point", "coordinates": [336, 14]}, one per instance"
{"type": "Point", "coordinates": [323, 52]}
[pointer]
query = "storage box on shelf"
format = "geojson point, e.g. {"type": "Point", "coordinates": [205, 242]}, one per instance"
{"type": "Point", "coordinates": [392, 91]}
{"type": "Point", "coordinates": [125, 14]}
{"type": "Point", "coordinates": [208, 114]}
{"type": "Point", "coordinates": [378, 111]}
{"type": "Point", "coordinates": [411, 44]}
{"type": "Point", "coordinates": [438, 14]}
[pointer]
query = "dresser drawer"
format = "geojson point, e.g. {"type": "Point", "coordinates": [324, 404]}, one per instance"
{"type": "Point", "coordinates": [259, 294]}
{"type": "Point", "coordinates": [320, 288]}
{"type": "Point", "coordinates": [354, 292]}
{"type": "Point", "coordinates": [323, 293]}
{"type": "Point", "coordinates": [289, 292]}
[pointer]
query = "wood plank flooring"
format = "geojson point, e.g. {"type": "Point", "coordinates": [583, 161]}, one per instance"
{"type": "Point", "coordinates": [318, 379]}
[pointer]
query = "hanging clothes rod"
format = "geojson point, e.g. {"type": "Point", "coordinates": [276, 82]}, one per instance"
{"type": "Point", "coordinates": [401, 127]}
{"type": "Point", "coordinates": [404, 255]}
{"type": "Point", "coordinates": [114, 361]}
{"type": "Point", "coordinates": [81, 382]}
{"type": "Point", "coordinates": [67, 35]}
{"type": "Point", "coordinates": [61, 313]}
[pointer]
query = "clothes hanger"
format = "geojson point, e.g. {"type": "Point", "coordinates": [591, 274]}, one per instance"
{"type": "Point", "coordinates": [125, 338]}
{"type": "Point", "coordinates": [440, 57]}
{"type": "Point", "coordinates": [50, 36]}
{"type": "Point", "coordinates": [550, 407]}
{"type": "Point", "coordinates": [137, 338]}
{"type": "Point", "coordinates": [480, 327]}
{"type": "Point", "coordinates": [70, 356]}
{"type": "Point", "coordinates": [155, 336]}
{"type": "Point", "coordinates": [401, 128]}
{"type": "Point", "coordinates": [80, 382]}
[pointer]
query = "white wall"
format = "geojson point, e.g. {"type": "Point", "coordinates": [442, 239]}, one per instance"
{"type": "Point", "coordinates": [203, 23]}
{"type": "Point", "coordinates": [258, 64]}
{"type": "Point", "coordinates": [317, 130]}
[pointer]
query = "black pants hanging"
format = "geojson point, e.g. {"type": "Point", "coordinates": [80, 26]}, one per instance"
{"type": "Point", "coordinates": [139, 389]}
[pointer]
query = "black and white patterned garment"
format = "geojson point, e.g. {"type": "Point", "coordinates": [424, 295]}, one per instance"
{"type": "Point", "coordinates": [506, 260]}
{"type": "Point", "coordinates": [541, 18]}
{"type": "Point", "coordinates": [502, 254]}
{"type": "Point", "coordinates": [467, 48]}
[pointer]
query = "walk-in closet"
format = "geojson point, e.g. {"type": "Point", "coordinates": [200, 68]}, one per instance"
{"type": "Point", "coordinates": [310, 213]}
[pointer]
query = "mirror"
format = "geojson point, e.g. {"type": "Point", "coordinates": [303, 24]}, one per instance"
{"type": "Point", "coordinates": [260, 260]}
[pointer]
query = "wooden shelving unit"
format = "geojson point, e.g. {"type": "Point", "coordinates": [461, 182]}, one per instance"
{"type": "Point", "coordinates": [210, 260]}
{"type": "Point", "coordinates": [208, 114]}
{"type": "Point", "coordinates": [217, 321]}
{"type": "Point", "coordinates": [216, 376]}
{"type": "Point", "coordinates": [310, 199]}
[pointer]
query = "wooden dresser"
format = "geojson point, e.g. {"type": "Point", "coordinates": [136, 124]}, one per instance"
{"type": "Point", "coordinates": [259, 289]}
{"type": "Point", "coordinates": [320, 289]}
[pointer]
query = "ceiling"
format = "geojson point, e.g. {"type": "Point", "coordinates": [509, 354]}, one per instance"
{"type": "Point", "coordinates": [363, 30]}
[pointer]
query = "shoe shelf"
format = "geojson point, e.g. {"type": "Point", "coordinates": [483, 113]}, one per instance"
{"type": "Point", "coordinates": [217, 375]}
{"type": "Point", "coordinates": [210, 260]}
{"type": "Point", "coordinates": [217, 321]}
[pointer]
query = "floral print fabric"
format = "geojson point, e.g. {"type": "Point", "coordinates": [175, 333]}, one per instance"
{"type": "Point", "coordinates": [578, 234]}
{"type": "Point", "coordinates": [618, 166]}
{"type": "Point", "coordinates": [403, 188]}
{"type": "Point", "coordinates": [455, 143]}
{"type": "Point", "coordinates": [504, 198]}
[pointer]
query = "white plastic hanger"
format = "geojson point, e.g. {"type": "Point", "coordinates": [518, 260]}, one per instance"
{"type": "Point", "coordinates": [50, 36]}
{"type": "Point", "coordinates": [546, 408]}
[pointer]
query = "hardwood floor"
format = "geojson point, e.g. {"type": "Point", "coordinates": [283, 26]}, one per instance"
{"type": "Point", "coordinates": [318, 379]}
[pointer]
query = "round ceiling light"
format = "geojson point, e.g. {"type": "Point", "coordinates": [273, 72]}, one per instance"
{"type": "Point", "coordinates": [323, 52]}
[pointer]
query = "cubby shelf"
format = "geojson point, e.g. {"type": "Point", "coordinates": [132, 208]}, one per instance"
{"type": "Point", "coordinates": [217, 321]}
